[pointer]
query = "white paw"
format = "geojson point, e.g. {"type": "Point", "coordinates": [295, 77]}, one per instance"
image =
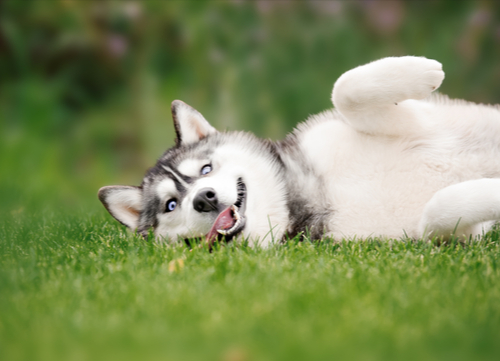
{"type": "Point", "coordinates": [411, 77]}
{"type": "Point", "coordinates": [387, 81]}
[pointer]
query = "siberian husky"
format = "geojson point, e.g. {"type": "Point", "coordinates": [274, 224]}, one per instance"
{"type": "Point", "coordinates": [390, 160]}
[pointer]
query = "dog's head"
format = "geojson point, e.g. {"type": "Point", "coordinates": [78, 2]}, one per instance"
{"type": "Point", "coordinates": [210, 184]}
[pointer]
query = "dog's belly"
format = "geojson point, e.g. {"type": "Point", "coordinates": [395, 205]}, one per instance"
{"type": "Point", "coordinates": [378, 186]}
{"type": "Point", "coordinates": [378, 207]}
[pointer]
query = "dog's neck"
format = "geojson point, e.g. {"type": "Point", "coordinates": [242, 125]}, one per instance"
{"type": "Point", "coordinates": [309, 212]}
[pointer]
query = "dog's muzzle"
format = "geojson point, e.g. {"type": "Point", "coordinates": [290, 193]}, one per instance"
{"type": "Point", "coordinates": [231, 220]}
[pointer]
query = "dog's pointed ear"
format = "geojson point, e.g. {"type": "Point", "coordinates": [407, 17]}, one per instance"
{"type": "Point", "coordinates": [189, 124]}
{"type": "Point", "coordinates": [124, 203]}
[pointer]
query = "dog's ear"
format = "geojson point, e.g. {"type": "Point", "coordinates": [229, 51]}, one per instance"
{"type": "Point", "coordinates": [189, 124]}
{"type": "Point", "coordinates": [123, 202]}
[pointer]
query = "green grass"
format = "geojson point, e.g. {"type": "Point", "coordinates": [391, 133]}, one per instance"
{"type": "Point", "coordinates": [74, 116]}
{"type": "Point", "coordinates": [78, 287]}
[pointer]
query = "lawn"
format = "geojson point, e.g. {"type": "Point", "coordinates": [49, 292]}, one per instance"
{"type": "Point", "coordinates": [85, 93]}
{"type": "Point", "coordinates": [77, 286]}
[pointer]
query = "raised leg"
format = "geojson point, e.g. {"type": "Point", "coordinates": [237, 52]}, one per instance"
{"type": "Point", "coordinates": [373, 97]}
{"type": "Point", "coordinates": [462, 210]}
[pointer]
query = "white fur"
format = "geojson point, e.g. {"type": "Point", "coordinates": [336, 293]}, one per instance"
{"type": "Point", "coordinates": [463, 207]}
{"type": "Point", "coordinates": [392, 160]}
{"type": "Point", "coordinates": [386, 161]}
{"type": "Point", "coordinates": [191, 167]}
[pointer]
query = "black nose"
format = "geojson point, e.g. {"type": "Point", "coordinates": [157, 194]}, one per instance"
{"type": "Point", "coordinates": [205, 200]}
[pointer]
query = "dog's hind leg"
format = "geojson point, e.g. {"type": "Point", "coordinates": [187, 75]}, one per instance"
{"type": "Point", "coordinates": [374, 97]}
{"type": "Point", "coordinates": [463, 210]}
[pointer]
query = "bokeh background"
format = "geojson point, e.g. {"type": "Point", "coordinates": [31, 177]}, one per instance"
{"type": "Point", "coordinates": [86, 86]}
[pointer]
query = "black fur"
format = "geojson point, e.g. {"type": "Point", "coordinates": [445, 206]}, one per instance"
{"type": "Point", "coordinates": [307, 211]}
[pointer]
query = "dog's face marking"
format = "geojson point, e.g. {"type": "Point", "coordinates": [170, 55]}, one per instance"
{"type": "Point", "coordinates": [177, 177]}
{"type": "Point", "coordinates": [193, 167]}
{"type": "Point", "coordinates": [182, 182]}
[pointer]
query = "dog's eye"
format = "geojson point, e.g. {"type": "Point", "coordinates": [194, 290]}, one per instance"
{"type": "Point", "coordinates": [171, 204]}
{"type": "Point", "coordinates": [206, 169]}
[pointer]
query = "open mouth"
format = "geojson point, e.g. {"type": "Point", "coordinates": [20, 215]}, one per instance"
{"type": "Point", "coordinates": [231, 221]}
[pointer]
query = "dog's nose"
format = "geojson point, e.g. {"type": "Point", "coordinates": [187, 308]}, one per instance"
{"type": "Point", "coordinates": [205, 200]}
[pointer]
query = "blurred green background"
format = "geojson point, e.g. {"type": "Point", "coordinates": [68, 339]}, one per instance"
{"type": "Point", "coordinates": [86, 87]}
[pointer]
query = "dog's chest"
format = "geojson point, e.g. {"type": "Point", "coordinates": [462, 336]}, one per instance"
{"type": "Point", "coordinates": [375, 183]}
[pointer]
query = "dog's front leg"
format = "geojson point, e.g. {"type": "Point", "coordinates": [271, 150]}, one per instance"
{"type": "Point", "coordinates": [374, 97]}
{"type": "Point", "coordinates": [462, 209]}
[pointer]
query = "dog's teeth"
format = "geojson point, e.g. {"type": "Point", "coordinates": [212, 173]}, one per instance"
{"type": "Point", "coordinates": [237, 217]}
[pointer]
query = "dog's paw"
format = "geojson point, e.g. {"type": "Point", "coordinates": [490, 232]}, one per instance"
{"type": "Point", "coordinates": [385, 82]}
{"type": "Point", "coordinates": [413, 77]}
{"type": "Point", "coordinates": [423, 75]}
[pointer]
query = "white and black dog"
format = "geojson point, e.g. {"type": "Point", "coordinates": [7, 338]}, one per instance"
{"type": "Point", "coordinates": [389, 161]}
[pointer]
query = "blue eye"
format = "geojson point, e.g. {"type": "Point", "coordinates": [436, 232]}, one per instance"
{"type": "Point", "coordinates": [206, 169]}
{"type": "Point", "coordinates": [171, 204]}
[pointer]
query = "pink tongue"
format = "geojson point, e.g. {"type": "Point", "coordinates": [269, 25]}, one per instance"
{"type": "Point", "coordinates": [224, 221]}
